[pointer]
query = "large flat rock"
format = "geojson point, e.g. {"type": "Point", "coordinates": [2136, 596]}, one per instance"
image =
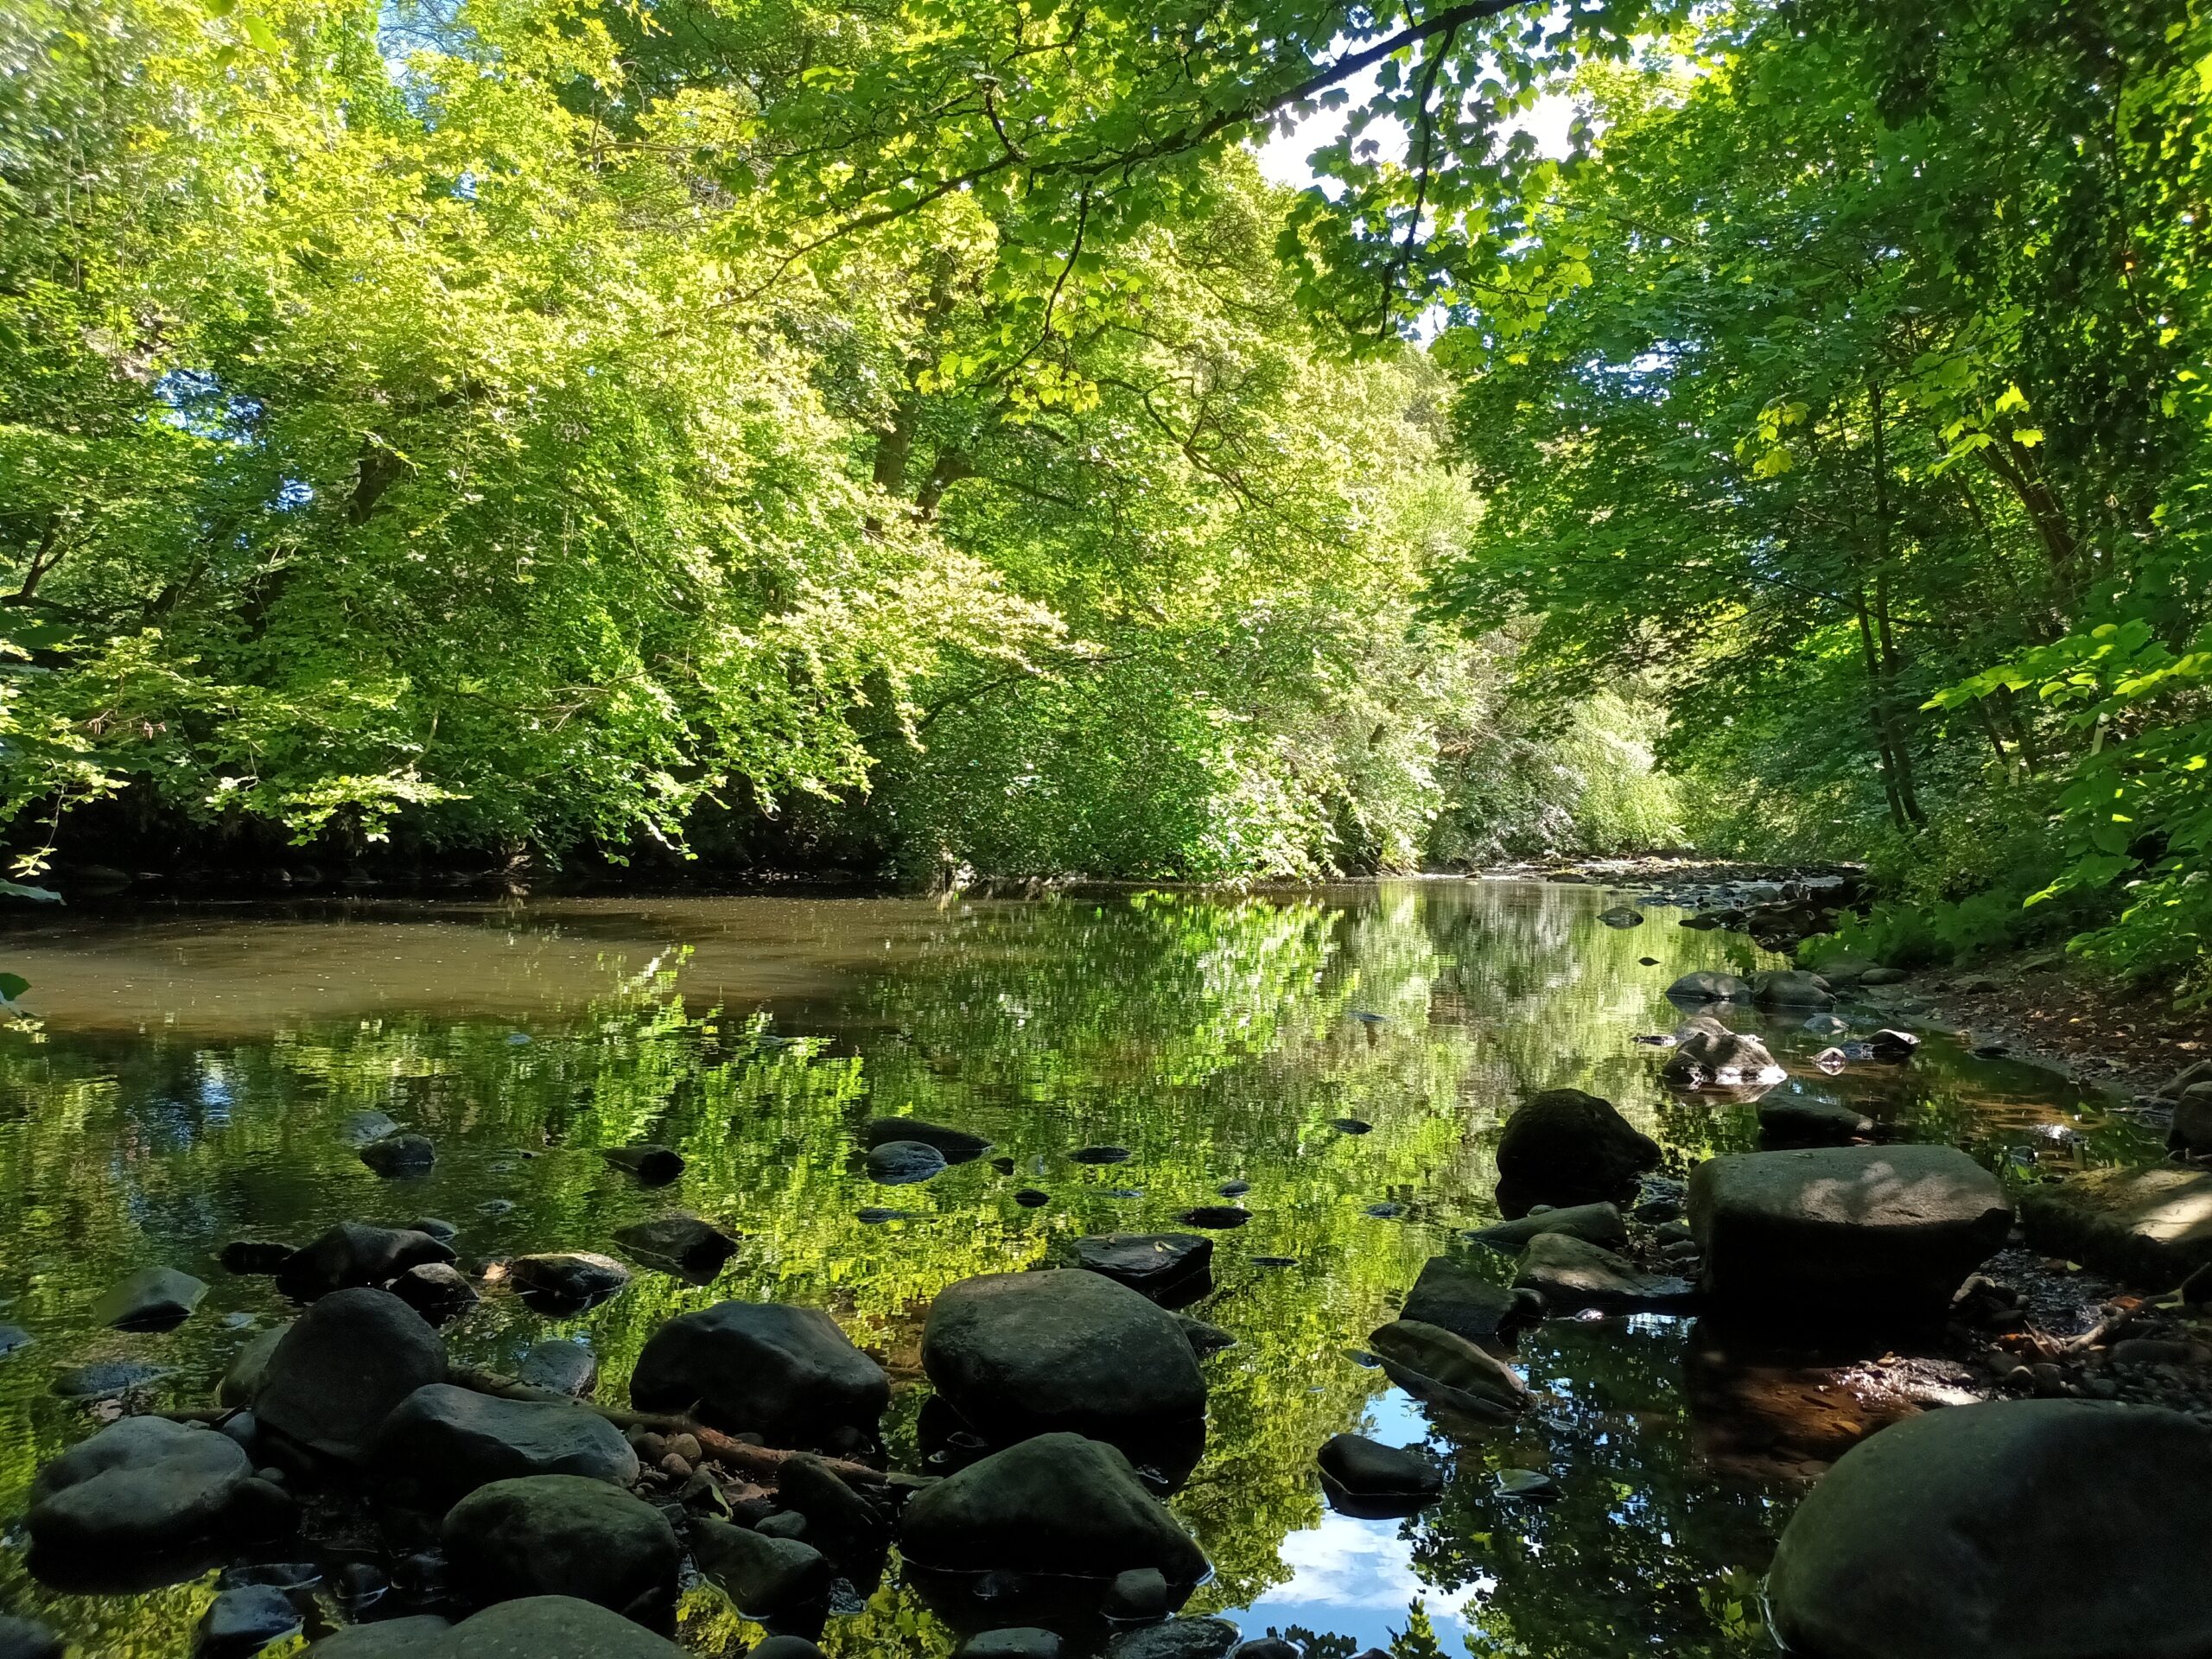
{"type": "Point", "coordinates": [2153, 1227]}
{"type": "Point", "coordinates": [1843, 1229]}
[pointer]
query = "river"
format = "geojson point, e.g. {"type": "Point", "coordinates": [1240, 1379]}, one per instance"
{"type": "Point", "coordinates": [188, 1073]}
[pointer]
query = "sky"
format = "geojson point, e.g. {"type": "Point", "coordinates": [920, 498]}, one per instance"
{"type": "Point", "coordinates": [1283, 158]}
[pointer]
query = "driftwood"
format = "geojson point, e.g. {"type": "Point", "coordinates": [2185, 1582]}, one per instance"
{"type": "Point", "coordinates": [760, 1462]}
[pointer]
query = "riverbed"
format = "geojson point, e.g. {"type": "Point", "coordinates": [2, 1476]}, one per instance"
{"type": "Point", "coordinates": [1350, 1051]}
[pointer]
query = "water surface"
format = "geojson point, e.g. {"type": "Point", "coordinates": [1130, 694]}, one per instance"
{"type": "Point", "coordinates": [191, 1068]}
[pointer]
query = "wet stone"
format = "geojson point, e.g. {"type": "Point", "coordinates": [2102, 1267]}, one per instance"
{"type": "Point", "coordinates": [1015, 1642]}
{"type": "Point", "coordinates": [693, 1246]}
{"type": "Point", "coordinates": [1099, 1155]}
{"type": "Point", "coordinates": [106, 1379]}
{"type": "Point", "coordinates": [902, 1163]}
{"type": "Point", "coordinates": [1179, 1638]}
{"type": "Point", "coordinates": [568, 1277]}
{"type": "Point", "coordinates": [653, 1164]}
{"type": "Point", "coordinates": [153, 1299]}
{"type": "Point", "coordinates": [241, 1622]}
{"type": "Point", "coordinates": [562, 1367]}
{"type": "Point", "coordinates": [954, 1146]}
{"type": "Point", "coordinates": [1217, 1216]}
{"type": "Point", "coordinates": [398, 1157]}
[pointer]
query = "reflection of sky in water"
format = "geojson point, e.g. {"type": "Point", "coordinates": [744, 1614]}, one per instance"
{"type": "Point", "coordinates": [1357, 1578]}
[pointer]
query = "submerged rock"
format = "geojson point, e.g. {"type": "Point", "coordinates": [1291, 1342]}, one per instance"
{"type": "Point", "coordinates": [1219, 1217]}
{"type": "Point", "coordinates": [361, 1127]}
{"type": "Point", "coordinates": [1595, 1223]}
{"type": "Point", "coordinates": [240, 1623]}
{"type": "Point", "coordinates": [445, 1441]}
{"type": "Point", "coordinates": [1791, 987]}
{"type": "Point", "coordinates": [1892, 1047]}
{"type": "Point", "coordinates": [695, 1248]}
{"type": "Point", "coordinates": [574, 1279]}
{"type": "Point", "coordinates": [1018, 1354]}
{"type": "Point", "coordinates": [1568, 1274]}
{"type": "Point", "coordinates": [1452, 1296]}
{"type": "Point", "coordinates": [1059, 1504]}
{"type": "Point", "coordinates": [2152, 1227]}
{"type": "Point", "coordinates": [653, 1164]}
{"type": "Point", "coordinates": [954, 1146]}
{"type": "Point", "coordinates": [1154, 1264]}
{"type": "Point", "coordinates": [1708, 1054]}
{"type": "Point", "coordinates": [902, 1163]}
{"type": "Point", "coordinates": [257, 1257]}
{"type": "Point", "coordinates": [399, 1156]}
{"type": "Point", "coordinates": [1891, 1229]}
{"type": "Point", "coordinates": [355, 1254]}
{"type": "Point", "coordinates": [763, 1576]}
{"type": "Point", "coordinates": [1811, 1123]}
{"type": "Point", "coordinates": [1622, 915]}
{"type": "Point", "coordinates": [142, 1486]}
{"type": "Point", "coordinates": [788, 1374]}
{"type": "Point", "coordinates": [561, 1366]}
{"type": "Point", "coordinates": [565, 1534]}
{"type": "Point", "coordinates": [1706, 986]}
{"type": "Point", "coordinates": [152, 1299]}
{"type": "Point", "coordinates": [1099, 1155]}
{"type": "Point", "coordinates": [2061, 1529]}
{"type": "Point", "coordinates": [339, 1369]}
{"type": "Point", "coordinates": [436, 1290]}
{"type": "Point", "coordinates": [1431, 1363]}
{"type": "Point", "coordinates": [1563, 1146]}
{"type": "Point", "coordinates": [1365, 1473]}
{"type": "Point", "coordinates": [105, 1378]}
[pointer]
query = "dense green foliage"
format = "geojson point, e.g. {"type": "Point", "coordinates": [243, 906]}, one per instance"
{"type": "Point", "coordinates": [1876, 435]}
{"type": "Point", "coordinates": [915, 438]}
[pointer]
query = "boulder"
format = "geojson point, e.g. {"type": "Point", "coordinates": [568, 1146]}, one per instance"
{"type": "Point", "coordinates": [2190, 1133]}
{"type": "Point", "coordinates": [1865, 1229]}
{"type": "Point", "coordinates": [954, 1146]}
{"type": "Point", "coordinates": [142, 1486]}
{"type": "Point", "coordinates": [1452, 1295]}
{"type": "Point", "coordinates": [1179, 1638]}
{"type": "Point", "coordinates": [553, 1627]}
{"type": "Point", "coordinates": [361, 1127]}
{"type": "Point", "coordinates": [239, 1623]}
{"type": "Point", "coordinates": [1791, 987]}
{"type": "Point", "coordinates": [152, 1299]}
{"type": "Point", "coordinates": [2152, 1227]}
{"type": "Point", "coordinates": [398, 1157]}
{"type": "Point", "coordinates": [1152, 1264]}
{"type": "Point", "coordinates": [1622, 915]}
{"type": "Point", "coordinates": [839, 1520]}
{"type": "Point", "coordinates": [696, 1249]}
{"type": "Point", "coordinates": [566, 1535]}
{"type": "Point", "coordinates": [436, 1290]}
{"type": "Point", "coordinates": [1018, 1354]}
{"type": "Point", "coordinates": [1563, 1146]}
{"type": "Point", "coordinates": [1059, 1504]}
{"type": "Point", "coordinates": [1365, 1472]}
{"type": "Point", "coordinates": [1014, 1642]}
{"type": "Point", "coordinates": [1709, 1055]}
{"type": "Point", "coordinates": [1431, 1363]}
{"type": "Point", "coordinates": [2187, 1078]}
{"type": "Point", "coordinates": [1205, 1339]}
{"type": "Point", "coordinates": [419, 1636]}
{"type": "Point", "coordinates": [353, 1253]}
{"type": "Point", "coordinates": [567, 1279]}
{"type": "Point", "coordinates": [902, 1163]}
{"type": "Point", "coordinates": [1794, 1123]}
{"type": "Point", "coordinates": [654, 1165]}
{"type": "Point", "coordinates": [1892, 1047]}
{"type": "Point", "coordinates": [561, 1366]}
{"type": "Point", "coordinates": [1595, 1223]}
{"type": "Point", "coordinates": [763, 1577]}
{"type": "Point", "coordinates": [249, 1367]}
{"type": "Point", "coordinates": [257, 1257]}
{"type": "Point", "coordinates": [786, 1373]}
{"type": "Point", "coordinates": [339, 1369]}
{"type": "Point", "coordinates": [1706, 986]}
{"type": "Point", "coordinates": [445, 1441]}
{"type": "Point", "coordinates": [2015, 1529]}
{"type": "Point", "coordinates": [1569, 1273]}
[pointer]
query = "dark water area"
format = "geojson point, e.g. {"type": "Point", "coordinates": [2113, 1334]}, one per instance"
{"type": "Point", "coordinates": [190, 1072]}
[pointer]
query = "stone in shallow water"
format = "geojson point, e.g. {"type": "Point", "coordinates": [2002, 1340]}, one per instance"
{"type": "Point", "coordinates": [399, 1156]}
{"type": "Point", "coordinates": [1100, 1156]}
{"type": "Point", "coordinates": [353, 1253]}
{"type": "Point", "coordinates": [653, 1164]}
{"type": "Point", "coordinates": [256, 1255]}
{"type": "Point", "coordinates": [2152, 1227]}
{"type": "Point", "coordinates": [105, 1378]}
{"type": "Point", "coordinates": [565, 1534]}
{"type": "Point", "coordinates": [1361, 1468]}
{"type": "Point", "coordinates": [1596, 1223]}
{"type": "Point", "coordinates": [436, 1290]}
{"type": "Point", "coordinates": [1350, 1125]}
{"type": "Point", "coordinates": [1017, 1354]}
{"type": "Point", "coordinates": [1622, 915]}
{"type": "Point", "coordinates": [1030, 1198]}
{"type": "Point", "coordinates": [1218, 1217]}
{"type": "Point", "coordinates": [2061, 1529]}
{"type": "Point", "coordinates": [902, 1163]}
{"type": "Point", "coordinates": [1058, 1504]}
{"type": "Point", "coordinates": [762, 1575]}
{"type": "Point", "coordinates": [1563, 1146]}
{"type": "Point", "coordinates": [1811, 1123]}
{"type": "Point", "coordinates": [142, 1486]}
{"type": "Point", "coordinates": [338, 1371]}
{"type": "Point", "coordinates": [1569, 1273]}
{"type": "Point", "coordinates": [1431, 1363]}
{"type": "Point", "coordinates": [1015, 1642]}
{"type": "Point", "coordinates": [786, 1373]}
{"type": "Point", "coordinates": [242, 1622]}
{"type": "Point", "coordinates": [568, 1277]}
{"type": "Point", "coordinates": [1179, 1638]}
{"type": "Point", "coordinates": [1706, 986]}
{"type": "Point", "coordinates": [448, 1440]}
{"type": "Point", "coordinates": [956, 1145]}
{"type": "Point", "coordinates": [1450, 1295]}
{"type": "Point", "coordinates": [684, 1242]}
{"type": "Point", "coordinates": [152, 1299]}
{"type": "Point", "coordinates": [547, 1627]}
{"type": "Point", "coordinates": [1864, 1230]}
{"type": "Point", "coordinates": [564, 1367]}
{"type": "Point", "coordinates": [361, 1127]}
{"type": "Point", "coordinates": [1149, 1262]}
{"type": "Point", "coordinates": [421, 1636]}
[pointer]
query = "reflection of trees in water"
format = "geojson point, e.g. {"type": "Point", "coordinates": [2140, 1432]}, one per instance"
{"type": "Point", "coordinates": [1217, 1037]}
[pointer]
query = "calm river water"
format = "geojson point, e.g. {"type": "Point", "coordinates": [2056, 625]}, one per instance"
{"type": "Point", "coordinates": [191, 1068]}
